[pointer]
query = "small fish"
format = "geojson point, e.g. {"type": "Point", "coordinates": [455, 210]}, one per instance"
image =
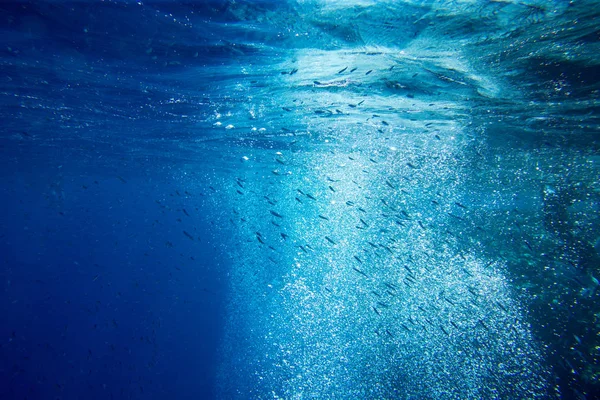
{"type": "Point", "coordinates": [376, 310]}
{"type": "Point", "coordinates": [349, 203]}
{"type": "Point", "coordinates": [310, 196]}
{"type": "Point", "coordinates": [421, 224]}
{"type": "Point", "coordinates": [444, 330]}
{"type": "Point", "coordinates": [484, 325]}
{"type": "Point", "coordinates": [188, 235]}
{"type": "Point", "coordinates": [389, 184]}
{"type": "Point", "coordinates": [323, 217]}
{"type": "Point", "coordinates": [275, 214]}
{"type": "Point", "coordinates": [363, 222]}
{"type": "Point", "coordinates": [368, 72]}
{"type": "Point", "coordinates": [460, 205]}
{"type": "Point", "coordinates": [298, 200]}
{"type": "Point", "coordinates": [185, 212]}
{"type": "Point", "coordinates": [330, 240]}
{"type": "Point", "coordinates": [260, 239]}
{"type": "Point", "coordinates": [471, 290]}
{"type": "Point", "coordinates": [411, 166]}
{"type": "Point", "coordinates": [284, 236]}
{"type": "Point", "coordinates": [360, 272]}
{"type": "Point", "coordinates": [353, 69]}
{"type": "Point", "coordinates": [358, 259]}
{"type": "Point", "coordinates": [387, 248]}
{"type": "Point", "coordinates": [501, 306]}
{"type": "Point", "coordinates": [332, 189]}
{"type": "Point", "coordinates": [342, 70]}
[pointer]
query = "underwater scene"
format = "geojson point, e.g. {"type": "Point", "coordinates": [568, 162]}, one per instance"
{"type": "Point", "coordinates": [303, 199]}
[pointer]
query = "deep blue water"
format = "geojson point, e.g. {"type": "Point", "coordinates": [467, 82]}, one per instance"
{"type": "Point", "coordinates": [290, 200]}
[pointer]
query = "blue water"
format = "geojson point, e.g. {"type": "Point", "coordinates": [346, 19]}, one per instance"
{"type": "Point", "coordinates": [292, 200]}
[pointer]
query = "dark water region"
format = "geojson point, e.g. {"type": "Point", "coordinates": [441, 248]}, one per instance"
{"type": "Point", "coordinates": [306, 199]}
{"type": "Point", "coordinates": [99, 297]}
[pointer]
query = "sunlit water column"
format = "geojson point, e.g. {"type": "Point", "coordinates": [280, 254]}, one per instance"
{"type": "Point", "coordinates": [349, 281]}
{"type": "Point", "coordinates": [350, 278]}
